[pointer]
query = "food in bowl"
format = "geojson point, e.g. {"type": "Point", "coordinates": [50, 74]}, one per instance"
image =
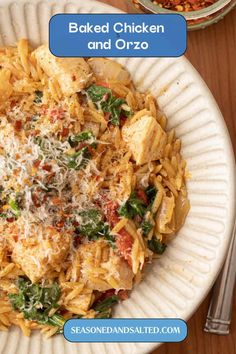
{"type": "Point", "coordinates": [198, 14]}
{"type": "Point", "coordinates": [181, 5]}
{"type": "Point", "coordinates": [93, 186]}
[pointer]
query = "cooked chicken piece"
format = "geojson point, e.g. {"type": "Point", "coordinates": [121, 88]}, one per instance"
{"type": "Point", "coordinates": [39, 255]}
{"type": "Point", "coordinates": [109, 69]}
{"type": "Point", "coordinates": [5, 85]}
{"type": "Point", "coordinates": [101, 268]}
{"type": "Point", "coordinates": [72, 74]}
{"type": "Point", "coordinates": [119, 269]}
{"type": "Point", "coordinates": [145, 139]}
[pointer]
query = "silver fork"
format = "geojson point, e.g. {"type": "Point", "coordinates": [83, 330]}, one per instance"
{"type": "Point", "coordinates": [220, 310]}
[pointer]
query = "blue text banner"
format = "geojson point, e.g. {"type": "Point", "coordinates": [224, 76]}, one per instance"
{"type": "Point", "coordinates": [125, 330]}
{"type": "Point", "coordinates": [117, 35]}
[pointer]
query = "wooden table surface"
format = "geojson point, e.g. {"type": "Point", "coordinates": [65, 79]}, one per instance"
{"type": "Point", "coordinates": [212, 52]}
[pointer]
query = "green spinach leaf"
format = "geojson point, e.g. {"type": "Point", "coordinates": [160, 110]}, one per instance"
{"type": "Point", "coordinates": [151, 193]}
{"type": "Point", "coordinates": [93, 227]}
{"type": "Point", "coordinates": [146, 227]}
{"type": "Point", "coordinates": [96, 93]}
{"type": "Point", "coordinates": [103, 98]}
{"type": "Point", "coordinates": [14, 207]}
{"type": "Point", "coordinates": [85, 136]}
{"type": "Point", "coordinates": [132, 207]}
{"type": "Point", "coordinates": [79, 159]}
{"type": "Point", "coordinates": [156, 246]}
{"type": "Point", "coordinates": [104, 307]}
{"type": "Point", "coordinates": [35, 301]}
{"type": "Point", "coordinates": [113, 106]}
{"type": "Point", "coordinates": [38, 97]}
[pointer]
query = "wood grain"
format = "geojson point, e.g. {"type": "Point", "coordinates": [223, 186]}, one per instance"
{"type": "Point", "coordinates": [212, 52]}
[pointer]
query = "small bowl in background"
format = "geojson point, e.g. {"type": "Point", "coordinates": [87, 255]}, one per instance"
{"type": "Point", "coordinates": [198, 19]}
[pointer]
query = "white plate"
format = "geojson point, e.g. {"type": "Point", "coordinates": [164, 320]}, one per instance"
{"type": "Point", "coordinates": [176, 284]}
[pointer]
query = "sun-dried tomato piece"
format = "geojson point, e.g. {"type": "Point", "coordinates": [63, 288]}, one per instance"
{"type": "Point", "coordinates": [47, 168]}
{"type": "Point", "coordinates": [142, 195]}
{"type": "Point", "coordinates": [18, 125]}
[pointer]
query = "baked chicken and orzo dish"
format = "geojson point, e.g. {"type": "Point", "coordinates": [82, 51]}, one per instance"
{"type": "Point", "coordinates": [92, 186]}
